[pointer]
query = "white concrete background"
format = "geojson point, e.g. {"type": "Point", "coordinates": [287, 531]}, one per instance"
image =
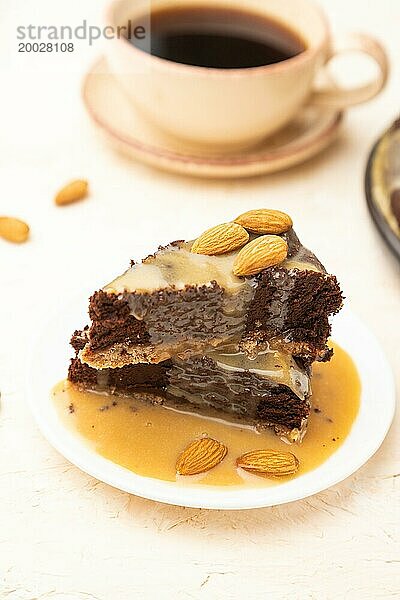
{"type": "Point", "coordinates": [65, 536]}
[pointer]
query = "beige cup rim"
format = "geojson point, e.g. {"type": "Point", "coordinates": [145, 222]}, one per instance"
{"type": "Point", "coordinates": [307, 54]}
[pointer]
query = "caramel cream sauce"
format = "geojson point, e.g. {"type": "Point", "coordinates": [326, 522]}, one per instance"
{"type": "Point", "coordinates": [272, 364]}
{"type": "Point", "coordinates": [147, 439]}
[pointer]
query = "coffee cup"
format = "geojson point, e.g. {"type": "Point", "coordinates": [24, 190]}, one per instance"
{"type": "Point", "coordinates": [230, 108]}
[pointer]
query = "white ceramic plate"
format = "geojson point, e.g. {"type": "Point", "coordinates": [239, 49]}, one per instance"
{"type": "Point", "coordinates": [48, 364]}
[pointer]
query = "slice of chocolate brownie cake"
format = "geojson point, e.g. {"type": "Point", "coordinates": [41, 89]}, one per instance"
{"type": "Point", "coordinates": [230, 323]}
{"type": "Point", "coordinates": [186, 299]}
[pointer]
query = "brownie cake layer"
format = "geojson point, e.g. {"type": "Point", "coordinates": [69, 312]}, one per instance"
{"type": "Point", "coordinates": [272, 390]}
{"type": "Point", "coordinates": [179, 303]}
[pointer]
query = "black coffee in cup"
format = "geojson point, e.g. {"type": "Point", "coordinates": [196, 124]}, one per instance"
{"type": "Point", "coordinates": [220, 38]}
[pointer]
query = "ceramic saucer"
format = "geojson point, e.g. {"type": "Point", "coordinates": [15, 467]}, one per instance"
{"type": "Point", "coordinates": [313, 129]}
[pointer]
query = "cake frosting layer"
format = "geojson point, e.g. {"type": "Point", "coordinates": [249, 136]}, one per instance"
{"type": "Point", "coordinates": [176, 266]}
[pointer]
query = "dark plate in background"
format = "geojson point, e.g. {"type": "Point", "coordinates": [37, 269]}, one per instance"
{"type": "Point", "coordinates": [379, 218]}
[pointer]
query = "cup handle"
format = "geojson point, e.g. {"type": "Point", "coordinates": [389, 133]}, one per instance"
{"type": "Point", "coordinates": [337, 97]}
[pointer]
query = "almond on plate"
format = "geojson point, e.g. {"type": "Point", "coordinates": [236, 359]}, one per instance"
{"type": "Point", "coordinates": [269, 463]}
{"type": "Point", "coordinates": [200, 456]}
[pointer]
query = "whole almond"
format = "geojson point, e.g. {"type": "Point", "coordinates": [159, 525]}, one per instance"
{"type": "Point", "coordinates": [200, 456]}
{"type": "Point", "coordinates": [72, 192]}
{"type": "Point", "coordinates": [269, 463]}
{"type": "Point", "coordinates": [13, 230]}
{"type": "Point", "coordinates": [220, 239]}
{"type": "Point", "coordinates": [259, 254]}
{"type": "Point", "coordinates": [264, 220]}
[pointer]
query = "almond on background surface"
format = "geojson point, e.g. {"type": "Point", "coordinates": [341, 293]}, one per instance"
{"type": "Point", "coordinates": [265, 220]}
{"type": "Point", "coordinates": [259, 254]}
{"type": "Point", "coordinates": [200, 456]}
{"type": "Point", "coordinates": [220, 239]}
{"type": "Point", "coordinates": [269, 463]}
{"type": "Point", "coordinates": [14, 230]}
{"type": "Point", "coordinates": [72, 192]}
